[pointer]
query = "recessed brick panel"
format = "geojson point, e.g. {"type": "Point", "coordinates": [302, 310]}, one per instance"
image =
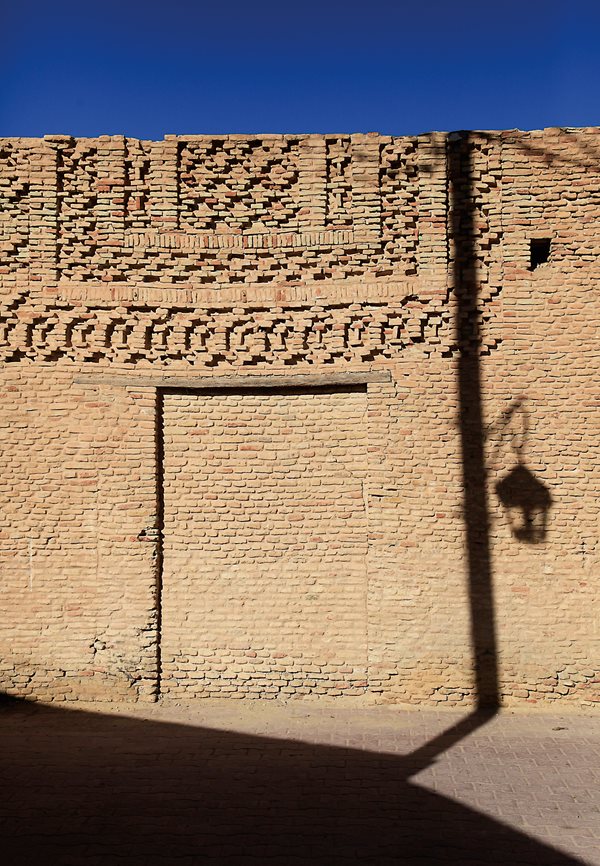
{"type": "Point", "coordinates": [265, 542]}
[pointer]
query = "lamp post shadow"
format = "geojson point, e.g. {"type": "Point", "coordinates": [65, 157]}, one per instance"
{"type": "Point", "coordinates": [476, 512]}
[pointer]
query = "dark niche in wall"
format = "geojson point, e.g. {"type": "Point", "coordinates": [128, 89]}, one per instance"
{"type": "Point", "coordinates": [539, 252]}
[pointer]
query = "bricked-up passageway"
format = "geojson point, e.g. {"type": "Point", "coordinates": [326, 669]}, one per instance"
{"type": "Point", "coordinates": [265, 551]}
{"type": "Point", "coordinates": [301, 416]}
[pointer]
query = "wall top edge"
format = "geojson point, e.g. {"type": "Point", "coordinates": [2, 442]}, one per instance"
{"type": "Point", "coordinates": [356, 137]}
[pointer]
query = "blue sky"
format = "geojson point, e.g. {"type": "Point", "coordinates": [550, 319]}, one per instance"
{"type": "Point", "coordinates": [177, 66]}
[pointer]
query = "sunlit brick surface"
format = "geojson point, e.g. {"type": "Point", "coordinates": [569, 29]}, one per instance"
{"type": "Point", "coordinates": [123, 262]}
{"type": "Point", "coordinates": [265, 555]}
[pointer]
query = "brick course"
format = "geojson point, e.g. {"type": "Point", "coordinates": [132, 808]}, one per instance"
{"type": "Point", "coordinates": [124, 262]}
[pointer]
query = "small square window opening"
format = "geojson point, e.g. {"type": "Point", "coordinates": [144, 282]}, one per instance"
{"type": "Point", "coordinates": [539, 252]}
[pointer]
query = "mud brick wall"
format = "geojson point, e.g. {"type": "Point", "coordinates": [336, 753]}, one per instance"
{"type": "Point", "coordinates": [189, 508]}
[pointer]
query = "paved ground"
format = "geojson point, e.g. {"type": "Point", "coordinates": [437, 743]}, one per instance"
{"type": "Point", "coordinates": [297, 784]}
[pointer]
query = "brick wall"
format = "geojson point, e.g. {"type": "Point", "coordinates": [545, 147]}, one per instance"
{"type": "Point", "coordinates": [158, 530]}
{"type": "Point", "coordinates": [266, 542]}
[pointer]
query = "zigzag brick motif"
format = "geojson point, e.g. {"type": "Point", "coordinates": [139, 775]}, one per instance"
{"type": "Point", "coordinates": [233, 337]}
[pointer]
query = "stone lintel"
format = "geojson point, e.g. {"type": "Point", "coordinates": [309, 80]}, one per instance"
{"type": "Point", "coordinates": [235, 383]}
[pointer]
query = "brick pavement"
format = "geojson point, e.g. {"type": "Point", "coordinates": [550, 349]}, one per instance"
{"type": "Point", "coordinates": [299, 783]}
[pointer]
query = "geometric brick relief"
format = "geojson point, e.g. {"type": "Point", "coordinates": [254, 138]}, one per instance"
{"type": "Point", "coordinates": [212, 211]}
{"type": "Point", "coordinates": [234, 186]}
{"type": "Point", "coordinates": [399, 184]}
{"type": "Point", "coordinates": [136, 201]}
{"type": "Point", "coordinates": [475, 221]}
{"type": "Point", "coordinates": [235, 336]}
{"type": "Point", "coordinates": [339, 182]}
{"type": "Point", "coordinates": [77, 199]}
{"type": "Point", "coordinates": [14, 208]}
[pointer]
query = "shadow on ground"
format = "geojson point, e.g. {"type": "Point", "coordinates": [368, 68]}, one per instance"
{"type": "Point", "coordinates": [88, 788]}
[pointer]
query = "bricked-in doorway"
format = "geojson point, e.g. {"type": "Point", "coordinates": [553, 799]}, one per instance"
{"type": "Point", "coordinates": [264, 573]}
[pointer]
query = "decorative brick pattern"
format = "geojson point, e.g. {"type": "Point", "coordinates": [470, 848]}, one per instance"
{"type": "Point", "coordinates": [136, 199]}
{"type": "Point", "coordinates": [339, 182]}
{"type": "Point", "coordinates": [77, 195]}
{"type": "Point", "coordinates": [399, 203]}
{"type": "Point", "coordinates": [124, 261]}
{"type": "Point", "coordinates": [239, 185]}
{"type": "Point", "coordinates": [238, 336]}
{"type": "Point", "coordinates": [14, 208]}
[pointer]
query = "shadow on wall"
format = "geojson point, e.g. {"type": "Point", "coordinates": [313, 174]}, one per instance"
{"type": "Point", "coordinates": [525, 499]}
{"type": "Point", "coordinates": [476, 510]}
{"type": "Point", "coordinates": [89, 788]}
{"type": "Point", "coordinates": [527, 502]}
